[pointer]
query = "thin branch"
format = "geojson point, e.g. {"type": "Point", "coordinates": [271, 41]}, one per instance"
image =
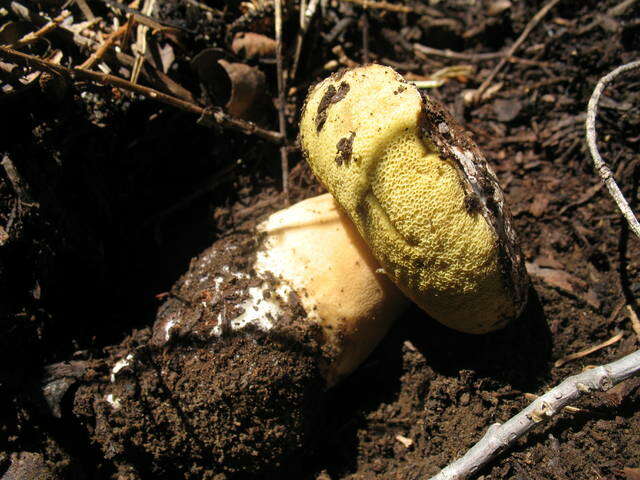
{"type": "Point", "coordinates": [635, 321]}
{"type": "Point", "coordinates": [600, 166]}
{"type": "Point", "coordinates": [99, 53]}
{"type": "Point", "coordinates": [391, 7]}
{"type": "Point", "coordinates": [588, 351]}
{"type": "Point", "coordinates": [500, 436]}
{"type": "Point", "coordinates": [208, 115]}
{"type": "Point", "coordinates": [450, 54]}
{"type": "Point", "coordinates": [516, 45]}
{"type": "Point", "coordinates": [306, 14]}
{"type": "Point", "coordinates": [44, 30]}
{"type": "Point", "coordinates": [284, 159]}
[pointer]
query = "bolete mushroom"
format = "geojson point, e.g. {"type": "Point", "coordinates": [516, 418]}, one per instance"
{"type": "Point", "coordinates": [262, 321]}
{"type": "Point", "coordinates": [310, 256]}
{"type": "Point", "coordinates": [420, 193]}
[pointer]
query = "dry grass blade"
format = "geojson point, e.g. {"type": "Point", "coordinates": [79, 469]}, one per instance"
{"type": "Point", "coordinates": [635, 322]}
{"type": "Point", "coordinates": [588, 351]}
{"type": "Point", "coordinates": [99, 53]}
{"type": "Point", "coordinates": [450, 54]}
{"type": "Point", "coordinates": [391, 7]}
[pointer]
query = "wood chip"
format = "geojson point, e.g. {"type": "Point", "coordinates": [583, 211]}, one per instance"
{"type": "Point", "coordinates": [566, 283]}
{"type": "Point", "coordinates": [407, 442]}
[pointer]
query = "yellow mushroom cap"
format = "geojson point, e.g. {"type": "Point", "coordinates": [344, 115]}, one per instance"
{"type": "Point", "coordinates": [420, 193]}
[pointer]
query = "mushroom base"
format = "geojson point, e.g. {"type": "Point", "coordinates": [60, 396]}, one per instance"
{"type": "Point", "coordinates": [193, 402]}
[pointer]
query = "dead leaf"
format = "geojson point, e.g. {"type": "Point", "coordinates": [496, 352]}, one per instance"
{"type": "Point", "coordinates": [252, 46]}
{"type": "Point", "coordinates": [565, 282]}
{"type": "Point", "coordinates": [247, 88]}
{"type": "Point", "coordinates": [240, 88]}
{"type": "Point", "coordinates": [507, 109]}
{"type": "Point", "coordinates": [167, 57]}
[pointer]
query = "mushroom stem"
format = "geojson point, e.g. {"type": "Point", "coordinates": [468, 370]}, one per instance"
{"type": "Point", "coordinates": [315, 250]}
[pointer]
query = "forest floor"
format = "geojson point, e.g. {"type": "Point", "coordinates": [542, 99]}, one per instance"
{"type": "Point", "coordinates": [106, 195]}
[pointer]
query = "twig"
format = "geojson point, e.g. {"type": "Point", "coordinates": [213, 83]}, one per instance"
{"type": "Point", "coordinates": [284, 159]}
{"type": "Point", "coordinates": [140, 49]}
{"type": "Point", "coordinates": [365, 37]}
{"type": "Point", "coordinates": [500, 436]}
{"type": "Point", "coordinates": [588, 351]}
{"type": "Point", "coordinates": [86, 10]}
{"type": "Point", "coordinates": [525, 33]}
{"type": "Point", "coordinates": [600, 166]}
{"type": "Point", "coordinates": [208, 115]}
{"type": "Point", "coordinates": [391, 7]}
{"type": "Point", "coordinates": [635, 322]}
{"type": "Point", "coordinates": [306, 14]}
{"type": "Point", "coordinates": [44, 30]}
{"type": "Point", "coordinates": [99, 53]}
{"type": "Point", "coordinates": [450, 54]}
{"type": "Point", "coordinates": [615, 11]}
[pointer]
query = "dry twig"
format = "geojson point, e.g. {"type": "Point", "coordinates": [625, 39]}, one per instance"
{"type": "Point", "coordinates": [208, 115]}
{"type": "Point", "coordinates": [500, 436]}
{"type": "Point", "coordinates": [306, 14]}
{"type": "Point", "coordinates": [588, 351]}
{"type": "Point", "coordinates": [450, 54]}
{"type": "Point", "coordinates": [99, 53]}
{"type": "Point", "coordinates": [600, 166]}
{"type": "Point", "coordinates": [391, 7]}
{"type": "Point", "coordinates": [635, 321]}
{"type": "Point", "coordinates": [516, 45]}
{"type": "Point", "coordinates": [41, 32]}
{"type": "Point", "coordinates": [284, 160]}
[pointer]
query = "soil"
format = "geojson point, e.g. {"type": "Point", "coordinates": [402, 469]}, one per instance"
{"type": "Point", "coordinates": [105, 197]}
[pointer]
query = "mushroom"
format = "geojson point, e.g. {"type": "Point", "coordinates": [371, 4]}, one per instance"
{"type": "Point", "coordinates": [308, 255]}
{"type": "Point", "coordinates": [263, 322]}
{"type": "Point", "coordinates": [267, 318]}
{"type": "Point", "coordinates": [420, 193]}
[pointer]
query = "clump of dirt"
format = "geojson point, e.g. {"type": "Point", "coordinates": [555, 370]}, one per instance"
{"type": "Point", "coordinates": [194, 403]}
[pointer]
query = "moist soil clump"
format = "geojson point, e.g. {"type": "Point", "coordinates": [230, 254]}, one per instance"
{"type": "Point", "coordinates": [195, 404]}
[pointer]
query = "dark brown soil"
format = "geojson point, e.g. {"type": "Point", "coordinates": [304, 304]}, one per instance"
{"type": "Point", "coordinates": [111, 195]}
